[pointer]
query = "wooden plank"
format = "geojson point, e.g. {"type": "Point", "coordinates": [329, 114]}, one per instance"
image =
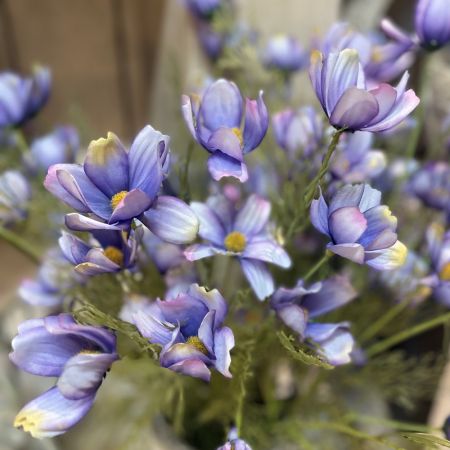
{"type": "Point", "coordinates": [75, 39]}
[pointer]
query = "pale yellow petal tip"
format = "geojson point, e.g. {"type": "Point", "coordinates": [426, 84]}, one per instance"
{"type": "Point", "coordinates": [110, 139]}
{"type": "Point", "coordinates": [316, 56]}
{"type": "Point", "coordinates": [400, 254]}
{"type": "Point", "coordinates": [29, 422]}
{"type": "Point", "coordinates": [438, 229]}
{"type": "Point", "coordinates": [444, 274]}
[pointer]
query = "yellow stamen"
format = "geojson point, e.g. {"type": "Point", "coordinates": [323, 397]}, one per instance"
{"type": "Point", "coordinates": [445, 273]}
{"type": "Point", "coordinates": [235, 242]}
{"type": "Point", "coordinates": [117, 198]}
{"type": "Point", "coordinates": [238, 133]}
{"type": "Point", "coordinates": [114, 255]}
{"type": "Point", "coordinates": [197, 343]}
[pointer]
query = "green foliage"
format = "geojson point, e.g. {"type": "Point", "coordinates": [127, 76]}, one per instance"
{"type": "Point", "coordinates": [428, 440]}
{"type": "Point", "coordinates": [302, 353]}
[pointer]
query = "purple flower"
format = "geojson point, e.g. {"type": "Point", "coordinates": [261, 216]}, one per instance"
{"type": "Point", "coordinates": [203, 8]}
{"type": "Point", "coordinates": [432, 23]}
{"type": "Point", "coordinates": [241, 233]}
{"type": "Point", "coordinates": [78, 355]}
{"type": "Point", "coordinates": [15, 194]}
{"type": "Point", "coordinates": [438, 241]}
{"type": "Point", "coordinates": [354, 161]}
{"type": "Point", "coordinates": [296, 306]}
{"type": "Point", "coordinates": [215, 122]}
{"type": "Point", "coordinates": [169, 259]}
{"type": "Point", "coordinates": [339, 82]}
{"type": "Point", "coordinates": [431, 184]}
{"type": "Point", "coordinates": [118, 186]}
{"type": "Point", "coordinates": [115, 253]}
{"type": "Point", "coordinates": [407, 281]}
{"type": "Point", "coordinates": [133, 304]}
{"type": "Point", "coordinates": [59, 146]}
{"type": "Point", "coordinates": [381, 61]}
{"type": "Point", "coordinates": [285, 53]}
{"type": "Point", "coordinates": [359, 227]}
{"type": "Point", "coordinates": [234, 443]}
{"type": "Point", "coordinates": [48, 288]}
{"type": "Point", "coordinates": [189, 328]}
{"type": "Point", "coordinates": [211, 41]}
{"type": "Point", "coordinates": [298, 132]}
{"type": "Point", "coordinates": [22, 98]}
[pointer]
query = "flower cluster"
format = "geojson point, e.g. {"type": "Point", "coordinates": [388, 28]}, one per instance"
{"type": "Point", "coordinates": [218, 269]}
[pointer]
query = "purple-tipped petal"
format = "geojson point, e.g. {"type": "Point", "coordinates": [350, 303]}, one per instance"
{"type": "Point", "coordinates": [193, 368]}
{"type": "Point", "coordinates": [34, 293]}
{"type": "Point", "coordinates": [294, 317]}
{"type": "Point", "coordinates": [153, 328]}
{"type": "Point", "coordinates": [335, 292]}
{"type": "Point", "coordinates": [83, 374]}
{"type": "Point", "coordinates": [319, 215]}
{"type": "Point", "coordinates": [355, 109]}
{"type": "Point", "coordinates": [148, 159]}
{"type": "Point", "coordinates": [106, 165]}
{"type": "Point", "coordinates": [347, 224]}
{"type": "Point", "coordinates": [259, 277]}
{"type": "Point", "coordinates": [253, 216]}
{"type": "Point", "coordinates": [51, 414]}
{"type": "Point", "coordinates": [404, 106]}
{"type": "Point", "coordinates": [73, 248]}
{"type": "Point", "coordinates": [198, 251]}
{"type": "Point", "coordinates": [172, 220]}
{"type": "Point", "coordinates": [38, 352]}
{"type": "Point", "coordinates": [53, 185]}
{"type": "Point", "coordinates": [226, 141]}
{"type": "Point", "coordinates": [335, 341]}
{"type": "Point", "coordinates": [223, 343]}
{"type": "Point", "coordinates": [212, 299]}
{"type": "Point", "coordinates": [182, 352]}
{"type": "Point", "coordinates": [221, 165]}
{"type": "Point", "coordinates": [211, 228]}
{"type": "Point", "coordinates": [221, 105]}
{"type": "Point", "coordinates": [266, 249]}
{"type": "Point", "coordinates": [340, 73]}
{"type": "Point", "coordinates": [256, 122]}
{"type": "Point", "coordinates": [77, 222]}
{"type": "Point", "coordinates": [354, 252]}
{"type": "Point", "coordinates": [361, 195]}
{"type": "Point", "coordinates": [132, 205]}
{"type": "Point", "coordinates": [206, 331]}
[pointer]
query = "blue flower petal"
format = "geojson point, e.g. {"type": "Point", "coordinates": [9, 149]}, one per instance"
{"type": "Point", "coordinates": [51, 414]}
{"type": "Point", "coordinates": [172, 220]}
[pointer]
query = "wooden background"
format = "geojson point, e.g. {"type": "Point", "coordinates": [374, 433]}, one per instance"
{"type": "Point", "coordinates": [101, 52]}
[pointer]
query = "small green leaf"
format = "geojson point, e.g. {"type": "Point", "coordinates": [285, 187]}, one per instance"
{"type": "Point", "coordinates": [304, 354]}
{"type": "Point", "coordinates": [429, 440]}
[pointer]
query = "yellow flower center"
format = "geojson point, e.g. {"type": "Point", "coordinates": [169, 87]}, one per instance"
{"type": "Point", "coordinates": [114, 255]}
{"type": "Point", "coordinates": [235, 242]}
{"type": "Point", "coordinates": [238, 133]}
{"type": "Point", "coordinates": [117, 198]}
{"type": "Point", "coordinates": [197, 343]}
{"type": "Point", "coordinates": [445, 273]}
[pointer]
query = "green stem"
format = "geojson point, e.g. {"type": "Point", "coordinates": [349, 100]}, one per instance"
{"type": "Point", "coordinates": [314, 184]}
{"type": "Point", "coordinates": [318, 265]}
{"type": "Point", "coordinates": [389, 342]}
{"type": "Point", "coordinates": [379, 324]}
{"type": "Point", "coordinates": [420, 111]}
{"type": "Point", "coordinates": [185, 175]}
{"type": "Point", "coordinates": [20, 244]}
{"type": "Point", "coordinates": [21, 141]}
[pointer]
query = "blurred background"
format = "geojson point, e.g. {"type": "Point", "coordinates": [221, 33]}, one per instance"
{"type": "Point", "coordinates": [113, 64]}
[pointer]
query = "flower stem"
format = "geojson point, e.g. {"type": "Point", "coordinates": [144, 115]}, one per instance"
{"type": "Point", "coordinates": [420, 111]}
{"type": "Point", "coordinates": [20, 244]}
{"type": "Point", "coordinates": [389, 342]}
{"type": "Point", "coordinates": [379, 324]}
{"type": "Point", "coordinates": [319, 264]}
{"type": "Point", "coordinates": [314, 184]}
